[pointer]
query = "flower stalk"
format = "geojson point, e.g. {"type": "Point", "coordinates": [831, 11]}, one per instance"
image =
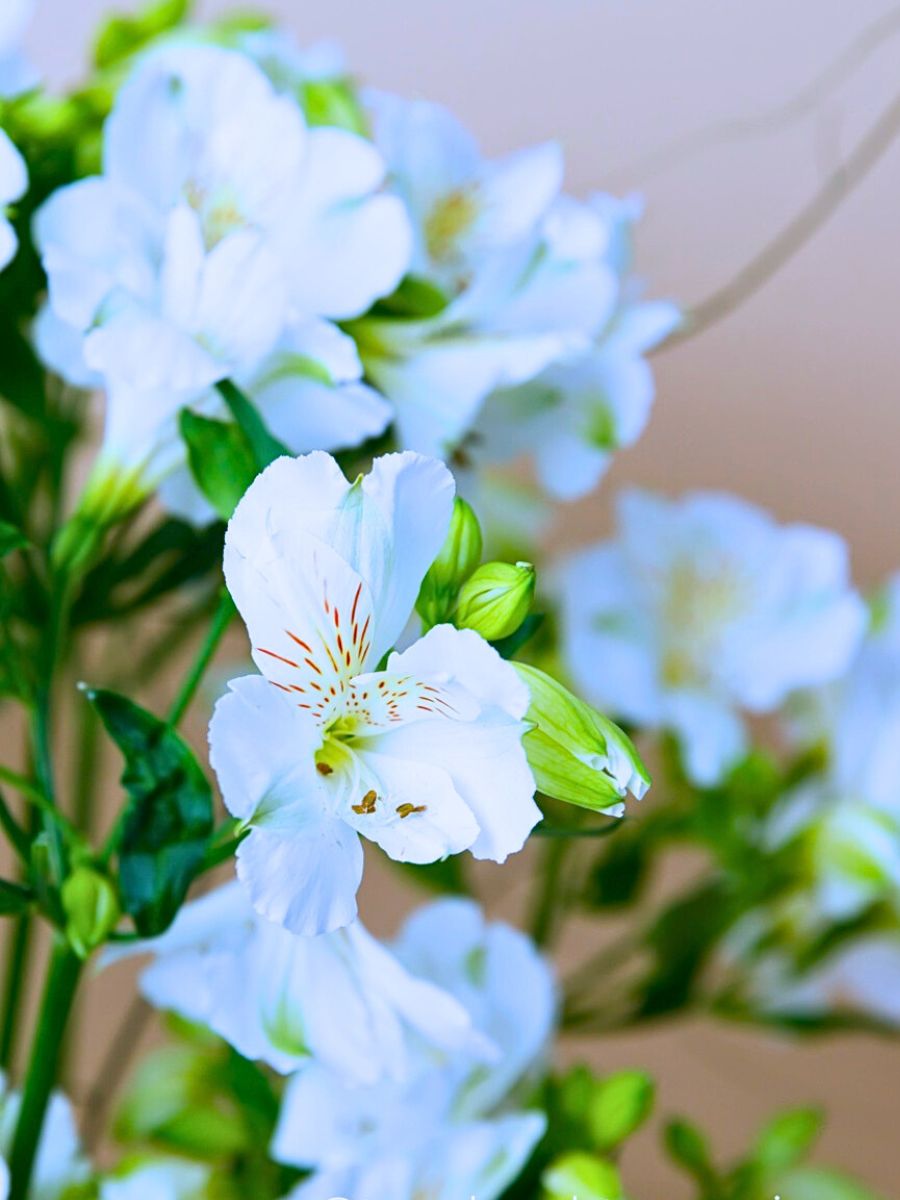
{"type": "Point", "coordinates": [59, 993]}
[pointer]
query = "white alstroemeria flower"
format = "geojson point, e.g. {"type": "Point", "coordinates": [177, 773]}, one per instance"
{"type": "Point", "coordinates": [371, 1143]}
{"type": "Point", "coordinates": [521, 270]}
{"type": "Point", "coordinates": [158, 1179]}
{"type": "Point", "coordinates": [575, 414]}
{"type": "Point", "coordinates": [501, 979]}
{"type": "Point", "coordinates": [59, 1162]}
{"type": "Point", "coordinates": [341, 999]}
{"type": "Point", "coordinates": [310, 393]}
{"type": "Point", "coordinates": [219, 220]}
{"type": "Point", "coordinates": [469, 215]}
{"type": "Point", "coordinates": [13, 185]}
{"type": "Point", "coordinates": [452, 1128]}
{"type": "Point", "coordinates": [849, 850]}
{"type": "Point", "coordinates": [857, 719]}
{"type": "Point", "coordinates": [422, 754]}
{"type": "Point", "coordinates": [60, 347]}
{"type": "Point", "coordinates": [863, 976]}
{"type": "Point", "coordinates": [16, 72]}
{"type": "Point", "coordinates": [700, 608]}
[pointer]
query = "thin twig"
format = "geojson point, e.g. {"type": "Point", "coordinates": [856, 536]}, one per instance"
{"type": "Point", "coordinates": [113, 1069]}
{"type": "Point", "coordinates": [794, 236]}
{"type": "Point", "coordinates": [804, 102]}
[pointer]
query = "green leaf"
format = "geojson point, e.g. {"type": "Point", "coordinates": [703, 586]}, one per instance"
{"type": "Point", "coordinates": [688, 1147]}
{"type": "Point", "coordinates": [787, 1138]}
{"type": "Point", "coordinates": [264, 447]}
{"type": "Point", "coordinates": [13, 899]}
{"type": "Point", "coordinates": [620, 1105]}
{"type": "Point", "coordinates": [414, 299]}
{"type": "Point", "coordinates": [174, 1100]}
{"type": "Point", "coordinates": [582, 1175]}
{"type": "Point", "coordinates": [122, 35]}
{"type": "Point", "coordinates": [618, 877]}
{"type": "Point", "coordinates": [11, 539]}
{"type": "Point", "coordinates": [221, 459]}
{"type": "Point", "coordinates": [168, 821]}
{"type": "Point", "coordinates": [682, 939]}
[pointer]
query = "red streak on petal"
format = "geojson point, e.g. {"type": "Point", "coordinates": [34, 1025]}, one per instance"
{"type": "Point", "coordinates": [271, 653]}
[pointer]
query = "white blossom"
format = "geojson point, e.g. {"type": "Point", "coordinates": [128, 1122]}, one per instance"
{"type": "Point", "coordinates": [842, 826]}
{"type": "Point", "coordinates": [455, 1128]}
{"type": "Point", "coordinates": [421, 752]}
{"type": "Point", "coordinates": [220, 225]}
{"type": "Point", "coordinates": [517, 277]}
{"type": "Point", "coordinates": [701, 608]}
{"type": "Point", "coordinates": [574, 415]}
{"type": "Point", "coordinates": [341, 1000]}
{"type": "Point", "coordinates": [13, 184]}
{"type": "Point", "coordinates": [310, 392]}
{"type": "Point", "coordinates": [857, 718]}
{"type": "Point", "coordinates": [16, 72]}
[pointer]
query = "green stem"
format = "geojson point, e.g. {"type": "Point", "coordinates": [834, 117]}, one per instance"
{"type": "Point", "coordinates": [41, 716]}
{"type": "Point", "coordinates": [62, 980]}
{"type": "Point", "coordinates": [220, 622]}
{"type": "Point", "coordinates": [21, 784]}
{"type": "Point", "coordinates": [15, 834]}
{"type": "Point", "coordinates": [17, 953]}
{"type": "Point", "coordinates": [546, 907]}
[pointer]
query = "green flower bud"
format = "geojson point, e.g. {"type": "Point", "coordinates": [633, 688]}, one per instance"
{"type": "Point", "coordinates": [496, 599]}
{"type": "Point", "coordinates": [582, 1175]}
{"type": "Point", "coordinates": [576, 754]}
{"type": "Point", "coordinates": [91, 907]}
{"type": "Point", "coordinates": [459, 556]}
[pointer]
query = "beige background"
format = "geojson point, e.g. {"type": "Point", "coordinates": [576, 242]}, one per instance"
{"type": "Point", "coordinates": [792, 401]}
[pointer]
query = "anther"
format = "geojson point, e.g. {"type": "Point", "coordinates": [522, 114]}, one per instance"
{"type": "Point", "coordinates": [368, 804]}
{"type": "Point", "coordinates": [406, 810]}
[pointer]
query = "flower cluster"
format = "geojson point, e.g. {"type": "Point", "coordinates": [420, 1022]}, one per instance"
{"type": "Point", "coordinates": [323, 325]}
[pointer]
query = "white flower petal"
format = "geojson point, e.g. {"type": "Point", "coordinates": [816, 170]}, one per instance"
{"type": "Point", "coordinates": [308, 614]}
{"type": "Point", "coordinates": [261, 748]}
{"type": "Point", "coordinates": [13, 172]}
{"type": "Point", "coordinates": [389, 527]}
{"type": "Point", "coordinates": [484, 758]}
{"type": "Point", "coordinates": [418, 816]}
{"type": "Point", "coordinates": [355, 245]}
{"type": "Point", "coordinates": [305, 880]}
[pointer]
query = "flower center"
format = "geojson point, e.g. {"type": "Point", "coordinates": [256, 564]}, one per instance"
{"type": "Point", "coordinates": [218, 209]}
{"type": "Point", "coordinates": [452, 215]}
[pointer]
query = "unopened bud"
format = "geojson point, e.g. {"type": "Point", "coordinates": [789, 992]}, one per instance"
{"type": "Point", "coordinates": [458, 558]}
{"type": "Point", "coordinates": [576, 754]}
{"type": "Point", "coordinates": [496, 599]}
{"type": "Point", "coordinates": [92, 909]}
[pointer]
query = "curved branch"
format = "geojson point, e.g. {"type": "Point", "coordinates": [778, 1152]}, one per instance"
{"type": "Point", "coordinates": [801, 104]}
{"type": "Point", "coordinates": [794, 236]}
